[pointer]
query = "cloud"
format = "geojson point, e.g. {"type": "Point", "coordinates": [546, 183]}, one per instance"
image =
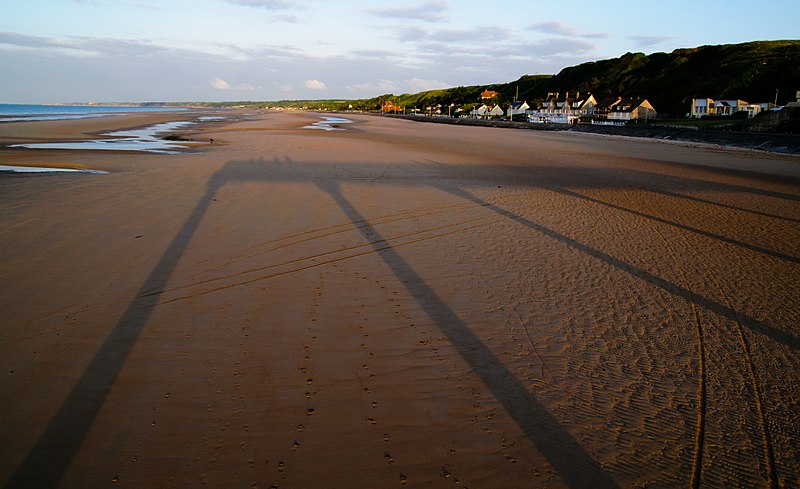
{"type": "Point", "coordinates": [412, 85]}
{"type": "Point", "coordinates": [23, 40]}
{"type": "Point", "coordinates": [429, 11]}
{"type": "Point", "coordinates": [559, 28]}
{"type": "Point", "coordinates": [220, 84]}
{"type": "Point", "coordinates": [422, 85]}
{"type": "Point", "coordinates": [145, 6]}
{"type": "Point", "coordinates": [314, 85]}
{"type": "Point", "coordinates": [561, 46]}
{"type": "Point", "coordinates": [374, 53]}
{"type": "Point", "coordinates": [476, 34]}
{"type": "Point", "coordinates": [648, 41]}
{"type": "Point", "coordinates": [382, 86]}
{"type": "Point", "coordinates": [411, 34]}
{"type": "Point", "coordinates": [554, 27]}
{"type": "Point", "coordinates": [289, 19]}
{"type": "Point", "coordinates": [76, 48]}
{"type": "Point", "coordinates": [265, 4]}
{"type": "Point", "coordinates": [597, 35]}
{"type": "Point", "coordinates": [271, 5]}
{"type": "Point", "coordinates": [136, 70]}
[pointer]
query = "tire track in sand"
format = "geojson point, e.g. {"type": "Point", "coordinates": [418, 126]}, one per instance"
{"type": "Point", "coordinates": [768, 456]}
{"type": "Point", "coordinates": [766, 439]}
{"type": "Point", "coordinates": [305, 258]}
{"type": "Point", "coordinates": [699, 440]}
{"type": "Point", "coordinates": [316, 264]}
{"type": "Point", "coordinates": [314, 234]}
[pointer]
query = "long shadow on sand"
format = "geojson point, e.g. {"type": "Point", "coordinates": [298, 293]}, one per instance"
{"type": "Point", "coordinates": [50, 458]}
{"type": "Point", "coordinates": [48, 461]}
{"type": "Point", "coordinates": [567, 457]}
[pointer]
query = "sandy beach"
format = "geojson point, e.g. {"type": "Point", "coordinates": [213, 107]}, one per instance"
{"type": "Point", "coordinates": [397, 304]}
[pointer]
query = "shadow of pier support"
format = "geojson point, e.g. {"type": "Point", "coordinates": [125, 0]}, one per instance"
{"type": "Point", "coordinates": [566, 456]}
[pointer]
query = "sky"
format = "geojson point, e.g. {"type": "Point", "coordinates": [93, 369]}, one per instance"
{"type": "Point", "coordinates": [59, 51]}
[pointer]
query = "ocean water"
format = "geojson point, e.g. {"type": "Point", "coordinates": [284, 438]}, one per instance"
{"type": "Point", "coordinates": [17, 113]}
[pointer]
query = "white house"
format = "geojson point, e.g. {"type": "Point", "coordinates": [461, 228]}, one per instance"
{"type": "Point", "coordinates": [517, 108]}
{"type": "Point", "coordinates": [484, 111]}
{"type": "Point", "coordinates": [728, 107]}
{"type": "Point", "coordinates": [567, 110]}
{"type": "Point", "coordinates": [701, 107]}
{"type": "Point", "coordinates": [481, 111]}
{"type": "Point", "coordinates": [537, 118]}
{"type": "Point", "coordinates": [755, 109]}
{"type": "Point", "coordinates": [630, 109]}
{"type": "Point", "coordinates": [708, 106]}
{"type": "Point", "coordinates": [583, 106]}
{"type": "Point", "coordinates": [496, 111]}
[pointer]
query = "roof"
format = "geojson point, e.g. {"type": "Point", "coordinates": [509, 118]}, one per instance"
{"type": "Point", "coordinates": [629, 104]}
{"type": "Point", "coordinates": [607, 103]}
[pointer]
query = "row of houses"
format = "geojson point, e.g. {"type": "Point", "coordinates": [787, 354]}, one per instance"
{"type": "Point", "coordinates": [571, 108]}
{"type": "Point", "coordinates": [702, 107]}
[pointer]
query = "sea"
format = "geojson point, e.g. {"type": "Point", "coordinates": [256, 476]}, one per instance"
{"type": "Point", "coordinates": [19, 113]}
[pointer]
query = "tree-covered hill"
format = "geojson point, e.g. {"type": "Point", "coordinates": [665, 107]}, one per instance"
{"type": "Point", "coordinates": [751, 71]}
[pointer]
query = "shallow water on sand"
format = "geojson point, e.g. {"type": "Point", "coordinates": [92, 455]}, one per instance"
{"type": "Point", "coordinates": [43, 169]}
{"type": "Point", "coordinates": [144, 139]}
{"type": "Point", "coordinates": [329, 124]}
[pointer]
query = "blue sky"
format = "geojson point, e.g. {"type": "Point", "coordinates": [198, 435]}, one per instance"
{"type": "Point", "coordinates": [189, 50]}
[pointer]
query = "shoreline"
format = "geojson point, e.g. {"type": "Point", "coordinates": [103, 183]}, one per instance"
{"type": "Point", "coordinates": [14, 135]}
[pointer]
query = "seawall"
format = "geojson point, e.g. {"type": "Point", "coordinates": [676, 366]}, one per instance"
{"type": "Point", "coordinates": [779, 143]}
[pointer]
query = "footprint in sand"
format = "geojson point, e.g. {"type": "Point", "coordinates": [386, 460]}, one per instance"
{"type": "Point", "coordinates": [446, 472]}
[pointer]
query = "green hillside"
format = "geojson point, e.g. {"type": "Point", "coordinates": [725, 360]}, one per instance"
{"type": "Point", "coordinates": [751, 71]}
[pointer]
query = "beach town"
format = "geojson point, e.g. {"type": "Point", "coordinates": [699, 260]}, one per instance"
{"type": "Point", "coordinates": [292, 244]}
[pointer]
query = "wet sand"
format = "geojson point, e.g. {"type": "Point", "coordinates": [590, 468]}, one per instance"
{"type": "Point", "coordinates": [398, 304]}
